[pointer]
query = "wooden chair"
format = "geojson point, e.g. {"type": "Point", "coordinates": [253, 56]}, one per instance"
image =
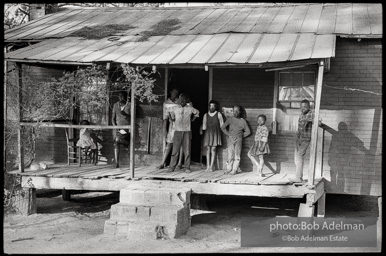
{"type": "Point", "coordinates": [77, 153]}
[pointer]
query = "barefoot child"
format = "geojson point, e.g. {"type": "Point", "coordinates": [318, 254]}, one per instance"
{"type": "Point", "coordinates": [211, 124]}
{"type": "Point", "coordinates": [260, 147]}
{"type": "Point", "coordinates": [237, 131]}
{"type": "Point", "coordinates": [85, 141]}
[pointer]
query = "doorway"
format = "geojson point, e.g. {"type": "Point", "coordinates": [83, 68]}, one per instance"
{"type": "Point", "coordinates": [195, 83]}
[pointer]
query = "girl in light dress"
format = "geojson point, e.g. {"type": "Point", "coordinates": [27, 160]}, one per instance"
{"type": "Point", "coordinates": [260, 146]}
{"type": "Point", "coordinates": [85, 141]}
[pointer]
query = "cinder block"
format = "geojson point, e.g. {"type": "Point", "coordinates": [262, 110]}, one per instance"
{"type": "Point", "coordinates": [170, 214]}
{"type": "Point", "coordinates": [122, 227]}
{"type": "Point", "coordinates": [110, 227]}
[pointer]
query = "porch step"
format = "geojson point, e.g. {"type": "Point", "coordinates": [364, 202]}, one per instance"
{"type": "Point", "coordinates": [150, 211]}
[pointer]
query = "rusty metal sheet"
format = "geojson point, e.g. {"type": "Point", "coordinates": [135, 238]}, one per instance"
{"type": "Point", "coordinates": [278, 23]}
{"type": "Point", "coordinates": [94, 46]}
{"type": "Point", "coordinates": [216, 25]}
{"type": "Point", "coordinates": [209, 49]}
{"type": "Point", "coordinates": [284, 47]}
{"type": "Point", "coordinates": [228, 48]}
{"type": "Point", "coordinates": [192, 49]}
{"type": "Point", "coordinates": [265, 48]}
{"type": "Point", "coordinates": [311, 21]}
{"type": "Point", "coordinates": [53, 30]}
{"type": "Point", "coordinates": [29, 33]}
{"type": "Point", "coordinates": [344, 19]}
{"type": "Point", "coordinates": [264, 20]}
{"type": "Point", "coordinates": [123, 45]}
{"type": "Point", "coordinates": [246, 48]}
{"type": "Point", "coordinates": [145, 24]}
{"type": "Point", "coordinates": [247, 24]}
{"type": "Point", "coordinates": [55, 48]}
{"type": "Point", "coordinates": [186, 18]}
{"type": "Point", "coordinates": [73, 48]}
{"type": "Point", "coordinates": [304, 47]}
{"type": "Point", "coordinates": [175, 49]}
{"type": "Point", "coordinates": [34, 23]}
{"type": "Point", "coordinates": [361, 23]}
{"type": "Point", "coordinates": [209, 20]}
{"type": "Point", "coordinates": [327, 20]}
{"type": "Point", "coordinates": [236, 20]}
{"type": "Point", "coordinates": [157, 49]}
{"type": "Point", "coordinates": [375, 18]}
{"type": "Point", "coordinates": [295, 22]}
{"type": "Point", "coordinates": [139, 50]}
{"type": "Point", "coordinates": [30, 50]}
{"type": "Point", "coordinates": [193, 22]}
{"type": "Point", "coordinates": [324, 46]}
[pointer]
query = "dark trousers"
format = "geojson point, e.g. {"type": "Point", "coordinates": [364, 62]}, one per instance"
{"type": "Point", "coordinates": [300, 151]}
{"type": "Point", "coordinates": [181, 139]}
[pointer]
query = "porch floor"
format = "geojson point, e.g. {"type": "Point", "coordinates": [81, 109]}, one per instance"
{"type": "Point", "coordinates": [198, 174]}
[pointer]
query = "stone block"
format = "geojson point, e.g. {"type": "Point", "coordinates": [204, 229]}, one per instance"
{"type": "Point", "coordinates": [110, 227]}
{"type": "Point", "coordinates": [130, 212]}
{"type": "Point", "coordinates": [170, 214]}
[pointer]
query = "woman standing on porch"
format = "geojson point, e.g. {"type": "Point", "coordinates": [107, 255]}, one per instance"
{"type": "Point", "coordinates": [211, 125]}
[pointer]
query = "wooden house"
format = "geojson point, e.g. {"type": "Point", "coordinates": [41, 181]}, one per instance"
{"type": "Point", "coordinates": [264, 58]}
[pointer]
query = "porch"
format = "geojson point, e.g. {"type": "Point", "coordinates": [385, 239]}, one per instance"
{"type": "Point", "coordinates": [90, 177]}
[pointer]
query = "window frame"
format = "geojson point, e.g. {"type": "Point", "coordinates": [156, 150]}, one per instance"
{"type": "Point", "coordinates": [302, 71]}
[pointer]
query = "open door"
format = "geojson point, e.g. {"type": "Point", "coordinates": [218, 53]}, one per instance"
{"type": "Point", "coordinates": [195, 83]}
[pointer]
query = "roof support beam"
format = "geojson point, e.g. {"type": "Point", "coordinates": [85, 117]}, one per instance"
{"type": "Point", "coordinates": [315, 126]}
{"type": "Point", "coordinates": [19, 83]}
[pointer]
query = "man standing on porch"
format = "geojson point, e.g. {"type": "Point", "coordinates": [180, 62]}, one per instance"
{"type": "Point", "coordinates": [303, 138]}
{"type": "Point", "coordinates": [181, 115]}
{"type": "Point", "coordinates": [238, 129]}
{"type": "Point", "coordinates": [168, 125]}
{"type": "Point", "coordinates": [121, 116]}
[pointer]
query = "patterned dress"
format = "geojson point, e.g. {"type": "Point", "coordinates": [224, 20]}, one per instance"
{"type": "Point", "coordinates": [212, 135]}
{"type": "Point", "coordinates": [260, 137]}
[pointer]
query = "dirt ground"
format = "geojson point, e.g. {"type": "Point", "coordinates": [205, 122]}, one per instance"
{"type": "Point", "coordinates": [76, 226]}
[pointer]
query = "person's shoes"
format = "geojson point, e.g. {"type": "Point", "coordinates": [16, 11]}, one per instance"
{"type": "Point", "coordinates": [116, 165]}
{"type": "Point", "coordinates": [179, 167]}
{"type": "Point", "coordinates": [161, 166]}
{"type": "Point", "coordinates": [188, 170]}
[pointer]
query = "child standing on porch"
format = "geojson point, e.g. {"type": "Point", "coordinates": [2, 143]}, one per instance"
{"type": "Point", "coordinates": [260, 146]}
{"type": "Point", "coordinates": [85, 141]}
{"type": "Point", "coordinates": [211, 124]}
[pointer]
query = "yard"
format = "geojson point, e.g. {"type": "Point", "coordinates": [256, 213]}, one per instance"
{"type": "Point", "coordinates": [77, 226]}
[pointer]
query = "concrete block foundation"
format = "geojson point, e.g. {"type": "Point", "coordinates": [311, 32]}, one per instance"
{"type": "Point", "coordinates": [150, 212]}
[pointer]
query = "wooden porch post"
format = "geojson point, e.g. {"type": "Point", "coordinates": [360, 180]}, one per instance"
{"type": "Point", "coordinates": [210, 92]}
{"type": "Point", "coordinates": [132, 128]}
{"type": "Point", "coordinates": [19, 76]}
{"type": "Point", "coordinates": [166, 97]}
{"type": "Point", "coordinates": [315, 126]}
{"type": "Point", "coordinates": [275, 93]}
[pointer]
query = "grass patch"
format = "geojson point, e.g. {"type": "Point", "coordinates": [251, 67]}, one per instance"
{"type": "Point", "coordinates": [162, 28]}
{"type": "Point", "coordinates": [103, 31]}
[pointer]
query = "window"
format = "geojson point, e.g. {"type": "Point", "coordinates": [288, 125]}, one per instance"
{"type": "Point", "coordinates": [295, 86]}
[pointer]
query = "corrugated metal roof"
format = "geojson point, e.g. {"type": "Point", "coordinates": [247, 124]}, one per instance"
{"type": "Point", "coordinates": [187, 49]}
{"type": "Point", "coordinates": [349, 19]}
